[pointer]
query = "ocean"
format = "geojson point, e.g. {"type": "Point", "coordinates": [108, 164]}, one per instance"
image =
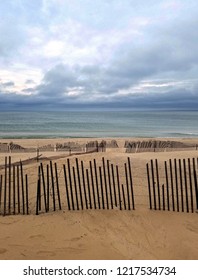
{"type": "Point", "coordinates": [99, 124]}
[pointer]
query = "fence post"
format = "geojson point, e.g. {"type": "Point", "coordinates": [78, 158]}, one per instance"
{"type": "Point", "coordinates": [167, 186]}
{"type": "Point", "coordinates": [181, 186]}
{"type": "Point", "coordinates": [26, 187]}
{"type": "Point", "coordinates": [190, 181]}
{"type": "Point", "coordinates": [110, 189]}
{"type": "Point", "coordinates": [118, 182]}
{"type": "Point", "coordinates": [149, 186]}
{"type": "Point", "coordinates": [52, 180]}
{"type": "Point", "coordinates": [5, 186]}
{"type": "Point", "coordinates": [195, 183]}
{"type": "Point", "coordinates": [158, 184]}
{"type": "Point", "coordinates": [131, 183]}
{"type": "Point", "coordinates": [38, 198]}
{"type": "Point", "coordinates": [127, 185]}
{"type": "Point", "coordinates": [79, 183]}
{"type": "Point", "coordinates": [114, 188]}
{"type": "Point", "coordinates": [1, 180]}
{"type": "Point", "coordinates": [70, 183]}
{"type": "Point", "coordinates": [96, 179]}
{"type": "Point", "coordinates": [186, 187]}
{"type": "Point", "coordinates": [84, 187]}
{"type": "Point", "coordinates": [57, 185]}
{"type": "Point", "coordinates": [66, 187]}
{"type": "Point", "coordinates": [75, 187]}
{"type": "Point", "coordinates": [89, 192]}
{"type": "Point", "coordinates": [105, 182]}
{"type": "Point", "coordinates": [48, 189]}
{"type": "Point", "coordinates": [92, 183]}
{"type": "Point", "coordinates": [18, 190]}
{"type": "Point", "coordinates": [44, 189]}
{"type": "Point", "coordinates": [39, 174]}
{"type": "Point", "coordinates": [101, 185]}
{"type": "Point", "coordinates": [14, 198]}
{"type": "Point", "coordinates": [153, 180]}
{"type": "Point", "coordinates": [22, 187]}
{"type": "Point", "coordinates": [176, 184]}
{"type": "Point", "coordinates": [9, 185]}
{"type": "Point", "coordinates": [172, 190]}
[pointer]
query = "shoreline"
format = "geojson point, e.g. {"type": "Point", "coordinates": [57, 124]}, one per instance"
{"type": "Point", "coordinates": [187, 137]}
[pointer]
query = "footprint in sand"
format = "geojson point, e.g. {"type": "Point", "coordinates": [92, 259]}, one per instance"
{"type": "Point", "coordinates": [2, 250]}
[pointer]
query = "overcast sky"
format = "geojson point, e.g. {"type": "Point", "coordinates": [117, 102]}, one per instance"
{"type": "Point", "coordinates": [60, 54]}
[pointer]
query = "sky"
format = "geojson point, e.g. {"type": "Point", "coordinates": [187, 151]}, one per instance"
{"type": "Point", "coordinates": [64, 54]}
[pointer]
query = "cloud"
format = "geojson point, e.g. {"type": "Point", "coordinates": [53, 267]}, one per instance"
{"type": "Point", "coordinates": [114, 53]}
{"type": "Point", "coordinates": [7, 84]}
{"type": "Point", "coordinates": [29, 81]}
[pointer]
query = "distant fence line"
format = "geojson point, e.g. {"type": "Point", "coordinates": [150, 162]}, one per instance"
{"type": "Point", "coordinates": [92, 146]}
{"type": "Point", "coordinates": [157, 146]}
{"type": "Point", "coordinates": [96, 146]}
{"type": "Point", "coordinates": [143, 150]}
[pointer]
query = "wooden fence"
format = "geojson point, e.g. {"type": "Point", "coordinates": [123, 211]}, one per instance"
{"type": "Point", "coordinates": [13, 189]}
{"type": "Point", "coordinates": [79, 185]}
{"type": "Point", "coordinates": [91, 146]}
{"type": "Point", "coordinates": [177, 188]}
{"type": "Point", "coordinates": [157, 146]}
{"type": "Point", "coordinates": [94, 187]}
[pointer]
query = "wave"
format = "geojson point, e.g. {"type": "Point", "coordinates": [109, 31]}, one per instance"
{"type": "Point", "coordinates": [183, 134]}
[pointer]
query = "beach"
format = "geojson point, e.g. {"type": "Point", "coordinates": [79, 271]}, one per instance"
{"type": "Point", "coordinates": [98, 138]}
{"type": "Point", "coordinates": [98, 233]}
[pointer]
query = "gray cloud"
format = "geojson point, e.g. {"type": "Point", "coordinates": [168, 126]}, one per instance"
{"type": "Point", "coordinates": [155, 68]}
{"type": "Point", "coordinates": [8, 84]}
{"type": "Point", "coordinates": [29, 81]}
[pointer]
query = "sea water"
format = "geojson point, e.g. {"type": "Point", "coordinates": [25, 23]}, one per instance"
{"type": "Point", "coordinates": [99, 124]}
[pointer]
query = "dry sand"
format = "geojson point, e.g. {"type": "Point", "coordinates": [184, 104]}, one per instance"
{"type": "Point", "coordinates": [100, 234]}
